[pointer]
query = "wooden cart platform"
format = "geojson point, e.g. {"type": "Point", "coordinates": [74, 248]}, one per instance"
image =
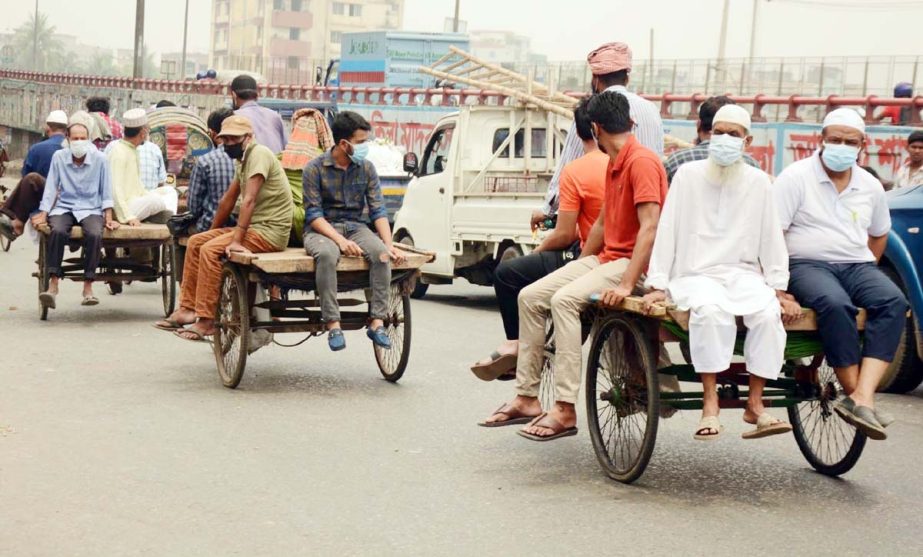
{"type": "Point", "coordinates": [116, 267]}
{"type": "Point", "coordinates": [295, 260]}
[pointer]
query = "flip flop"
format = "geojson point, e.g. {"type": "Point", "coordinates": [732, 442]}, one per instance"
{"type": "Point", "coordinates": [860, 417]}
{"type": "Point", "coordinates": [708, 423]}
{"type": "Point", "coordinates": [499, 364]}
{"type": "Point", "coordinates": [199, 337]}
{"type": "Point", "coordinates": [766, 425]}
{"type": "Point", "coordinates": [47, 299]}
{"type": "Point", "coordinates": [547, 422]}
{"type": "Point", "coordinates": [89, 301]}
{"type": "Point", "coordinates": [514, 417]}
{"type": "Point", "coordinates": [169, 325]}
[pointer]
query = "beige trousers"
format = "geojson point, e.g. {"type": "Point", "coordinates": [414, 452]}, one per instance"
{"type": "Point", "coordinates": [565, 293]}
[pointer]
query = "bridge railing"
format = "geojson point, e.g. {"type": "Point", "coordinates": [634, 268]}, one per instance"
{"type": "Point", "coordinates": [26, 102]}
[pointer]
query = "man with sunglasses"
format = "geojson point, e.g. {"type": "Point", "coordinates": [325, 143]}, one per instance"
{"type": "Point", "coordinates": [836, 224]}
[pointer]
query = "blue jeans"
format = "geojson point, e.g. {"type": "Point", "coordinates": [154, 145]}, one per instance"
{"type": "Point", "coordinates": [835, 291]}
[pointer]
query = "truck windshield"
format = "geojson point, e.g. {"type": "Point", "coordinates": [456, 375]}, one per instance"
{"type": "Point", "coordinates": [437, 152]}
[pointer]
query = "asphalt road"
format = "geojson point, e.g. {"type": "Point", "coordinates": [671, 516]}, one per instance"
{"type": "Point", "coordinates": [118, 439]}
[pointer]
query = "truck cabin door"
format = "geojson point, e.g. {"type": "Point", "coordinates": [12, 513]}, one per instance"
{"type": "Point", "coordinates": [434, 188]}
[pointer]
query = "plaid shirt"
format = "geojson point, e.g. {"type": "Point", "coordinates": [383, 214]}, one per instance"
{"type": "Point", "coordinates": [341, 195]}
{"type": "Point", "coordinates": [150, 161]}
{"type": "Point", "coordinates": [697, 153]}
{"type": "Point", "coordinates": [211, 176]}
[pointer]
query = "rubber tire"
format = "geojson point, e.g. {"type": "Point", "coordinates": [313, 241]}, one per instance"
{"type": "Point", "coordinates": [238, 289]}
{"type": "Point", "coordinates": [835, 469]}
{"type": "Point", "coordinates": [420, 288]}
{"type": "Point", "coordinates": [642, 342]}
{"type": "Point", "coordinates": [510, 252]}
{"type": "Point", "coordinates": [393, 376]}
{"type": "Point", "coordinates": [167, 279]}
{"type": "Point", "coordinates": [43, 278]}
{"type": "Point", "coordinates": [906, 370]}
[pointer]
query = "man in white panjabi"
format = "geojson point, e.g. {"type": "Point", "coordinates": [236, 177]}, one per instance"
{"type": "Point", "coordinates": [133, 202]}
{"type": "Point", "coordinates": [720, 253]}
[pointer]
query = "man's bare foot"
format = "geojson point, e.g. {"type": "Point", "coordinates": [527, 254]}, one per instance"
{"type": "Point", "coordinates": [519, 406]}
{"type": "Point", "coordinates": [563, 413]}
{"type": "Point", "coordinates": [53, 286]}
{"type": "Point", "coordinates": [753, 412]}
{"type": "Point", "coordinates": [182, 316]}
{"type": "Point", "coordinates": [201, 329]}
{"type": "Point", "coordinates": [508, 348]}
{"type": "Point", "coordinates": [18, 227]}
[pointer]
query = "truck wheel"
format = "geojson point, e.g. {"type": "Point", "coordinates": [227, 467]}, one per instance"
{"type": "Point", "coordinates": [906, 370]}
{"type": "Point", "coordinates": [510, 252]}
{"type": "Point", "coordinates": [420, 288]}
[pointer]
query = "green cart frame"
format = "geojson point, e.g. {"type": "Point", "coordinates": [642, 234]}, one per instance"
{"type": "Point", "coordinates": [624, 399]}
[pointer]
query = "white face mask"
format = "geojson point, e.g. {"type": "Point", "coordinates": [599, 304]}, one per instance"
{"type": "Point", "coordinates": [725, 150]}
{"type": "Point", "coordinates": [79, 148]}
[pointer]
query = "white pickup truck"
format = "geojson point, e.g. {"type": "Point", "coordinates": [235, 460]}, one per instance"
{"type": "Point", "coordinates": [475, 188]}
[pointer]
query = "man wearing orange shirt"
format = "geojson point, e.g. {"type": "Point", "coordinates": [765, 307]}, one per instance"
{"type": "Point", "coordinates": [582, 184]}
{"type": "Point", "coordinates": [614, 257]}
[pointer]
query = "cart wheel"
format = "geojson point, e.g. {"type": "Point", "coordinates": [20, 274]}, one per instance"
{"type": "Point", "coordinates": [392, 363]}
{"type": "Point", "coordinates": [5, 243]}
{"type": "Point", "coordinates": [622, 397]}
{"type": "Point", "coordinates": [43, 278]}
{"type": "Point", "coordinates": [232, 327]}
{"type": "Point", "coordinates": [167, 281]}
{"type": "Point", "coordinates": [546, 387]}
{"type": "Point", "coordinates": [830, 445]}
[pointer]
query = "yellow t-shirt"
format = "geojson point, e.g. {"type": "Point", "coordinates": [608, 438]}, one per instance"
{"type": "Point", "coordinates": [126, 179]}
{"type": "Point", "coordinates": [272, 213]}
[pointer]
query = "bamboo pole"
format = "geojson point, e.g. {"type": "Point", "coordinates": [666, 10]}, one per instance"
{"type": "Point", "coordinates": [543, 104]}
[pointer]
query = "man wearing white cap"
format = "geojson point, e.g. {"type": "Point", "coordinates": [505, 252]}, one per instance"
{"type": "Point", "coordinates": [27, 194]}
{"type": "Point", "coordinates": [836, 224]}
{"type": "Point", "coordinates": [720, 253]}
{"type": "Point", "coordinates": [133, 203]}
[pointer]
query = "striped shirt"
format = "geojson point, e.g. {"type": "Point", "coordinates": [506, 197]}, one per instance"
{"type": "Point", "coordinates": [649, 132]}
{"type": "Point", "coordinates": [211, 176]}
{"type": "Point", "coordinates": [150, 161]}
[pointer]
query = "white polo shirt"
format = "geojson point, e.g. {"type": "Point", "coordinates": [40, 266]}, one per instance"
{"type": "Point", "coordinates": [825, 225]}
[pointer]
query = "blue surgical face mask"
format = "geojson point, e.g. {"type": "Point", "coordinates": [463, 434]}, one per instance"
{"type": "Point", "coordinates": [360, 151]}
{"type": "Point", "coordinates": [839, 158]}
{"type": "Point", "coordinates": [725, 150]}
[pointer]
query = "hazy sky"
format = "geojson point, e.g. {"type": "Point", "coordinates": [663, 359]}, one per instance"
{"type": "Point", "coordinates": [562, 30]}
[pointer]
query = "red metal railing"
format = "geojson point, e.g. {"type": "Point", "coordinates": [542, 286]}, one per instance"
{"type": "Point", "coordinates": [447, 97]}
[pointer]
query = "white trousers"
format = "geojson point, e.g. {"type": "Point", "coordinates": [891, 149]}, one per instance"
{"type": "Point", "coordinates": [153, 202]}
{"type": "Point", "coordinates": [713, 331]}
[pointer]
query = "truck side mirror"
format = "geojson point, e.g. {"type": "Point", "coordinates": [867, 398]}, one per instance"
{"type": "Point", "coordinates": [410, 163]}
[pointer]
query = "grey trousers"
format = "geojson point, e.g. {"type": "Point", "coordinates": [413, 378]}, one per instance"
{"type": "Point", "coordinates": [326, 255]}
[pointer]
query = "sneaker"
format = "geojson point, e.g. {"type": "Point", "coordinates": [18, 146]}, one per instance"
{"type": "Point", "coordinates": [379, 338]}
{"type": "Point", "coordinates": [335, 340]}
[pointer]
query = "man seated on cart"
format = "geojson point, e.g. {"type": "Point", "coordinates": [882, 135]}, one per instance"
{"type": "Point", "coordinates": [613, 260]}
{"type": "Point", "coordinates": [338, 186]}
{"type": "Point", "coordinates": [133, 202]}
{"type": "Point", "coordinates": [720, 253]}
{"type": "Point", "coordinates": [836, 223]}
{"type": "Point", "coordinates": [263, 225]}
{"type": "Point", "coordinates": [78, 191]}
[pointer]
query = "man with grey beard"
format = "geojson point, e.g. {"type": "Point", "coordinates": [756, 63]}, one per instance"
{"type": "Point", "coordinates": [720, 253]}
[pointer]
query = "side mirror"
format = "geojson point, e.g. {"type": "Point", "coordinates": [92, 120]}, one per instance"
{"type": "Point", "coordinates": [410, 163]}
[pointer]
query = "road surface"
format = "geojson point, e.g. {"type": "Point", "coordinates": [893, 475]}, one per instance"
{"type": "Point", "coordinates": [118, 439]}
